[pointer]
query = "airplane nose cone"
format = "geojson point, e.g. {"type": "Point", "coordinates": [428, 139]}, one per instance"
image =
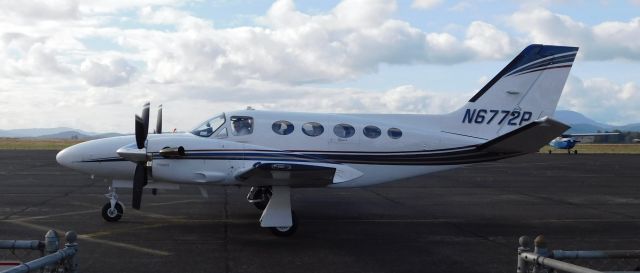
{"type": "Point", "coordinates": [66, 157]}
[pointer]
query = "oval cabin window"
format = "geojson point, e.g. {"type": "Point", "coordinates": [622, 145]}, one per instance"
{"type": "Point", "coordinates": [344, 130]}
{"type": "Point", "coordinates": [371, 131]}
{"type": "Point", "coordinates": [394, 133]}
{"type": "Point", "coordinates": [282, 127]}
{"type": "Point", "coordinates": [312, 129]}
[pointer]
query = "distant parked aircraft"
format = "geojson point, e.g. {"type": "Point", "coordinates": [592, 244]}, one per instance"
{"type": "Point", "coordinates": [568, 141]}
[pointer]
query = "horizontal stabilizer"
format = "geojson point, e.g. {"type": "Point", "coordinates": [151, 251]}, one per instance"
{"type": "Point", "coordinates": [526, 139]}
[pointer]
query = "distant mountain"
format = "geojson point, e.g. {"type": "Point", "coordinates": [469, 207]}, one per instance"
{"type": "Point", "coordinates": [54, 133]}
{"type": "Point", "coordinates": [35, 132]}
{"type": "Point", "coordinates": [581, 124]}
{"type": "Point", "coordinates": [65, 135]}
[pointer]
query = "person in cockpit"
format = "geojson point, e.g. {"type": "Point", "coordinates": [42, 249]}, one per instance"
{"type": "Point", "coordinates": [242, 127]}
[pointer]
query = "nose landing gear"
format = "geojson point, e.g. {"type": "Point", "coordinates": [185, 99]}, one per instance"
{"type": "Point", "coordinates": [113, 210]}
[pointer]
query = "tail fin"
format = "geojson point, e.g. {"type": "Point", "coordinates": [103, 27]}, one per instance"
{"type": "Point", "coordinates": [527, 89]}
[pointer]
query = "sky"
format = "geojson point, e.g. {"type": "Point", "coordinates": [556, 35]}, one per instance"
{"type": "Point", "coordinates": [91, 65]}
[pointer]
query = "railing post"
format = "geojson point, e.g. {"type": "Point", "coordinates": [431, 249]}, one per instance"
{"type": "Point", "coordinates": [525, 246]}
{"type": "Point", "coordinates": [51, 245]}
{"type": "Point", "coordinates": [71, 263]}
{"type": "Point", "coordinates": [51, 242]}
{"type": "Point", "coordinates": [540, 248]}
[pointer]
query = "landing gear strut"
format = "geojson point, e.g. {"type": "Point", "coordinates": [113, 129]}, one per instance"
{"type": "Point", "coordinates": [277, 215]}
{"type": "Point", "coordinates": [259, 196]}
{"type": "Point", "coordinates": [113, 210]}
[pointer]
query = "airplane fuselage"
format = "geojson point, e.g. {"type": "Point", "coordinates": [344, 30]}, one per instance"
{"type": "Point", "coordinates": [388, 149]}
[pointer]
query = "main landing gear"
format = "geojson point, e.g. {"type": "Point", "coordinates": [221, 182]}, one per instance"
{"type": "Point", "coordinates": [113, 210]}
{"type": "Point", "coordinates": [259, 196]}
{"type": "Point", "coordinates": [277, 214]}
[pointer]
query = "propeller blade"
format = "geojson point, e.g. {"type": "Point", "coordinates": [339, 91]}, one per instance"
{"type": "Point", "coordinates": [145, 118]}
{"type": "Point", "coordinates": [159, 120]}
{"type": "Point", "coordinates": [142, 126]}
{"type": "Point", "coordinates": [140, 135]}
{"type": "Point", "coordinates": [139, 181]}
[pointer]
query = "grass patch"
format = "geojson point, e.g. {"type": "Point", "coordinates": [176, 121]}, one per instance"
{"type": "Point", "coordinates": [35, 144]}
{"type": "Point", "coordinates": [598, 149]}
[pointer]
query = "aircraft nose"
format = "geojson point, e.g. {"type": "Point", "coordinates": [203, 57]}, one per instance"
{"type": "Point", "coordinates": [67, 156]}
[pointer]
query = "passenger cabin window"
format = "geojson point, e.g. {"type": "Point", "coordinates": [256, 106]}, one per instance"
{"type": "Point", "coordinates": [344, 130]}
{"type": "Point", "coordinates": [312, 129]}
{"type": "Point", "coordinates": [207, 128]}
{"type": "Point", "coordinates": [371, 131]}
{"type": "Point", "coordinates": [394, 133]}
{"type": "Point", "coordinates": [241, 126]}
{"type": "Point", "coordinates": [282, 127]}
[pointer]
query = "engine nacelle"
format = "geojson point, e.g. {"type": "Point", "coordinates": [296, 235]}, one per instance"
{"type": "Point", "coordinates": [169, 152]}
{"type": "Point", "coordinates": [190, 171]}
{"type": "Point", "coordinates": [195, 160]}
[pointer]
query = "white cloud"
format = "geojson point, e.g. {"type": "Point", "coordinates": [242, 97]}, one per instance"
{"type": "Point", "coordinates": [603, 100]}
{"type": "Point", "coordinates": [88, 56]}
{"type": "Point", "coordinates": [99, 6]}
{"type": "Point", "coordinates": [604, 41]}
{"type": "Point", "coordinates": [488, 41]}
{"type": "Point", "coordinates": [107, 73]}
{"type": "Point", "coordinates": [462, 6]}
{"type": "Point", "coordinates": [425, 4]}
{"type": "Point", "coordinates": [171, 16]}
{"type": "Point", "coordinates": [29, 10]}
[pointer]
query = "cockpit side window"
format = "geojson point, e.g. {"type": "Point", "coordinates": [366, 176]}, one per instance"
{"type": "Point", "coordinates": [223, 133]}
{"type": "Point", "coordinates": [241, 126]}
{"type": "Point", "coordinates": [207, 128]}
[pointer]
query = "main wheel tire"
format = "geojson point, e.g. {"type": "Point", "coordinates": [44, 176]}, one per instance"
{"type": "Point", "coordinates": [575, 152]}
{"type": "Point", "coordinates": [286, 231]}
{"type": "Point", "coordinates": [112, 215]}
{"type": "Point", "coordinates": [549, 151]}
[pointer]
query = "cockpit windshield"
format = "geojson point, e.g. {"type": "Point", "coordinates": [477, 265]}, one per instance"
{"type": "Point", "coordinates": [207, 128]}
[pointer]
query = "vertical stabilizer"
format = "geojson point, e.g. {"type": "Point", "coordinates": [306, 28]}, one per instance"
{"type": "Point", "coordinates": [527, 89]}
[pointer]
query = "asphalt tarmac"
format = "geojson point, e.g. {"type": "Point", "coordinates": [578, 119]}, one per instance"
{"type": "Point", "coordinates": [464, 220]}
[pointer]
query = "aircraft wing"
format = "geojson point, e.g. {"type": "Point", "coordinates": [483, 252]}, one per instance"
{"type": "Point", "coordinates": [296, 174]}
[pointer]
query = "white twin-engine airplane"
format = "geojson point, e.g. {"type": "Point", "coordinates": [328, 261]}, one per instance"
{"type": "Point", "coordinates": [272, 152]}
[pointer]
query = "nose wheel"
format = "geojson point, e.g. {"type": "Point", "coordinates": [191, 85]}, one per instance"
{"type": "Point", "coordinates": [113, 210]}
{"type": "Point", "coordinates": [112, 214]}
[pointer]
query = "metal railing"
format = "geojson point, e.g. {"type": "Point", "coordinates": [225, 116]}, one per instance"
{"type": "Point", "coordinates": [55, 260]}
{"type": "Point", "coordinates": [540, 259]}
